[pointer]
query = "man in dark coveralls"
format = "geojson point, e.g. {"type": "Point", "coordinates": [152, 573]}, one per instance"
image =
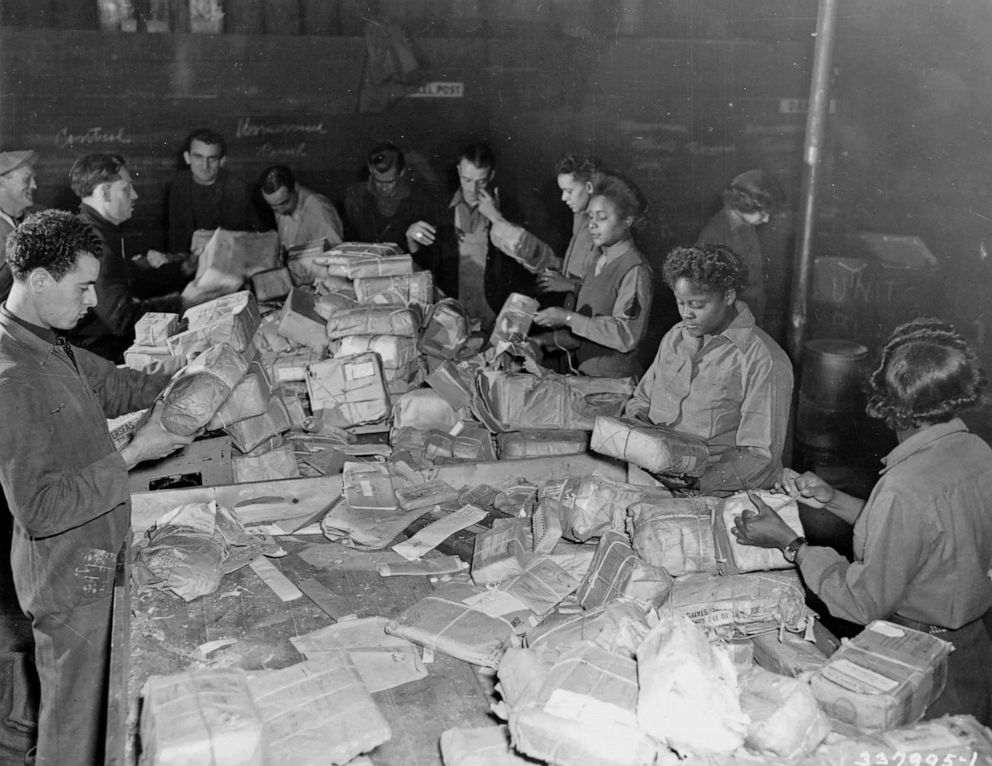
{"type": "Point", "coordinates": [65, 483]}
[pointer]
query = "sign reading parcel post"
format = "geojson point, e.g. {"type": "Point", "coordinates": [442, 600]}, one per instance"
{"type": "Point", "coordinates": [439, 90]}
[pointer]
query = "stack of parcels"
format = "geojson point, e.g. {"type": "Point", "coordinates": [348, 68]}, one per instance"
{"type": "Point", "coordinates": [150, 351]}
{"type": "Point", "coordinates": [313, 261]}
{"type": "Point", "coordinates": [315, 712]}
{"type": "Point", "coordinates": [629, 687]}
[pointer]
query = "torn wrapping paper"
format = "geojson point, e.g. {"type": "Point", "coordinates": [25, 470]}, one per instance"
{"type": "Point", "coordinates": [383, 661]}
{"type": "Point", "coordinates": [514, 319]}
{"type": "Point", "coordinates": [437, 532]}
{"type": "Point", "coordinates": [688, 696]}
{"type": "Point", "coordinates": [367, 529]}
{"type": "Point", "coordinates": [584, 712]}
{"type": "Point", "coordinates": [317, 712]}
{"type": "Point", "coordinates": [192, 546]}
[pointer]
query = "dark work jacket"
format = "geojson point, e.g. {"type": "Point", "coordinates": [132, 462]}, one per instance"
{"type": "Point", "coordinates": [364, 222]}
{"type": "Point", "coordinates": [65, 483]}
{"type": "Point", "coordinates": [234, 210]}
{"type": "Point", "coordinates": [108, 329]}
{"type": "Point", "coordinates": [503, 274]}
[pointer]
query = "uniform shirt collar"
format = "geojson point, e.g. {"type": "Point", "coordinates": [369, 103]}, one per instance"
{"type": "Point", "coordinates": [922, 439]}
{"type": "Point", "coordinates": [738, 331]}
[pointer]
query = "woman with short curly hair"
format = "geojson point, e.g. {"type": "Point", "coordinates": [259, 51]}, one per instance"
{"type": "Point", "coordinates": [717, 376]}
{"type": "Point", "coordinates": [923, 539]}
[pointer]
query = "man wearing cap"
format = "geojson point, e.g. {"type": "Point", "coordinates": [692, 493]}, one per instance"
{"type": "Point", "coordinates": [17, 187]}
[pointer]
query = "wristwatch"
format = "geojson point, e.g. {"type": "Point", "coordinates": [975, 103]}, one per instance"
{"type": "Point", "coordinates": [791, 550]}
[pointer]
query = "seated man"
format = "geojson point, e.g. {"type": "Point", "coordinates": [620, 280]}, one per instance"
{"type": "Point", "coordinates": [17, 187]}
{"type": "Point", "coordinates": [103, 184]}
{"type": "Point", "coordinates": [301, 215]}
{"type": "Point", "coordinates": [466, 264]}
{"type": "Point", "coordinates": [206, 196]}
{"type": "Point", "coordinates": [386, 207]}
{"type": "Point", "coordinates": [717, 376]}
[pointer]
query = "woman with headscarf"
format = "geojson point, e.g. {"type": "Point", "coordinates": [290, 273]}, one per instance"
{"type": "Point", "coordinates": [748, 202]}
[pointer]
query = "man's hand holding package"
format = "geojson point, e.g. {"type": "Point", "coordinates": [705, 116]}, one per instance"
{"type": "Point", "coordinates": [151, 440]}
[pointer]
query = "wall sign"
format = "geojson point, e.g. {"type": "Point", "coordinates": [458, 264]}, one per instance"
{"type": "Point", "coordinates": [440, 90]}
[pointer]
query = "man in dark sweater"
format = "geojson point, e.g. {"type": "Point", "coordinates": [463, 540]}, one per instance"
{"type": "Point", "coordinates": [206, 196]}
{"type": "Point", "coordinates": [103, 183]}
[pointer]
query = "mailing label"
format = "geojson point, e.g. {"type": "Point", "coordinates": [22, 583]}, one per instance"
{"type": "Point", "coordinates": [360, 370]}
{"type": "Point", "coordinates": [857, 678]}
{"type": "Point", "coordinates": [496, 603]}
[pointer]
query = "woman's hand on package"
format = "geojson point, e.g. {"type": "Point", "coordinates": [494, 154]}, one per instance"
{"type": "Point", "coordinates": [552, 317]}
{"type": "Point", "coordinates": [762, 528]}
{"type": "Point", "coordinates": [807, 488]}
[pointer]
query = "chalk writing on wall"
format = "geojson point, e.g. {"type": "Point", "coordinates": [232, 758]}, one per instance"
{"type": "Point", "coordinates": [66, 139]}
{"type": "Point", "coordinates": [268, 151]}
{"type": "Point", "coordinates": [249, 127]}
